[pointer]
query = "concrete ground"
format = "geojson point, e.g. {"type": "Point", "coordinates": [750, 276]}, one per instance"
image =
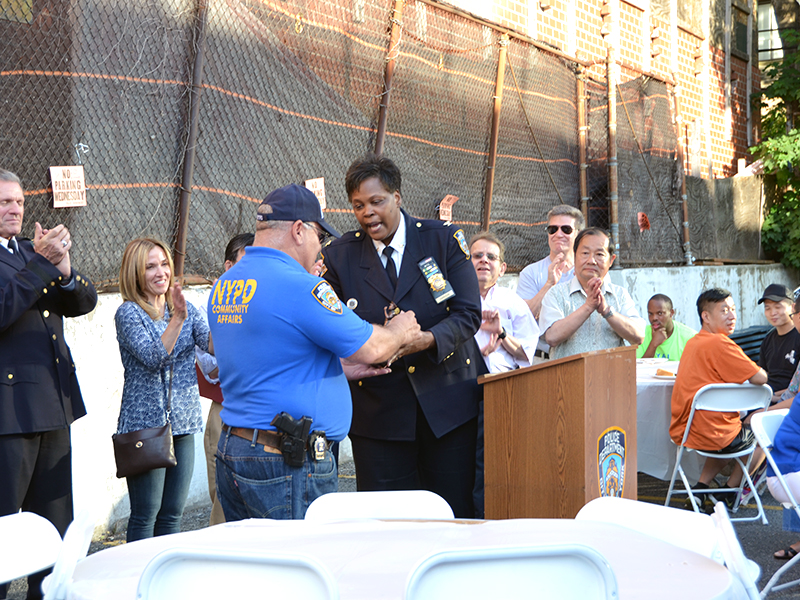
{"type": "Point", "coordinates": [758, 541]}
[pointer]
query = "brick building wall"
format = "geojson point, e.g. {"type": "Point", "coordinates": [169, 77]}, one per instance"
{"type": "Point", "coordinates": [690, 47]}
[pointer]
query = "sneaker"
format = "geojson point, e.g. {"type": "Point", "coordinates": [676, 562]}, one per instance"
{"type": "Point", "coordinates": [759, 480]}
{"type": "Point", "coordinates": [701, 497]}
{"type": "Point", "coordinates": [727, 498]}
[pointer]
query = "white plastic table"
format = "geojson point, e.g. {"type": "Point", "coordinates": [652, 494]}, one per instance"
{"type": "Point", "coordinates": [655, 451]}
{"type": "Point", "coordinates": [372, 559]}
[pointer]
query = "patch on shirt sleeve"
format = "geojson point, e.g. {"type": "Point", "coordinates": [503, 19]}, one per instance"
{"type": "Point", "coordinates": [325, 295]}
{"type": "Point", "coordinates": [462, 242]}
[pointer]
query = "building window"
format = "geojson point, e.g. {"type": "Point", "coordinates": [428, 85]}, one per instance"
{"type": "Point", "coordinates": [690, 13]}
{"type": "Point", "coordinates": [739, 31]}
{"type": "Point", "coordinates": [769, 42]}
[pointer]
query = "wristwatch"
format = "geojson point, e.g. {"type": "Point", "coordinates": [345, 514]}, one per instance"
{"type": "Point", "coordinates": [502, 334]}
{"type": "Point", "coordinates": [609, 313]}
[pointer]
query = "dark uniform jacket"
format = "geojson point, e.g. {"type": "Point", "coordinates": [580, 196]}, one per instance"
{"type": "Point", "coordinates": [441, 379]}
{"type": "Point", "coordinates": [38, 387]}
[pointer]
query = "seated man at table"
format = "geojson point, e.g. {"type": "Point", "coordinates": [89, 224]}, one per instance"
{"type": "Point", "coordinates": [712, 357]}
{"type": "Point", "coordinates": [780, 349]}
{"type": "Point", "coordinates": [589, 312]}
{"type": "Point", "coordinates": [664, 337]}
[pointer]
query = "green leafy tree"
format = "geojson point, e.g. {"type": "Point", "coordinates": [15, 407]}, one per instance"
{"type": "Point", "coordinates": [780, 152]}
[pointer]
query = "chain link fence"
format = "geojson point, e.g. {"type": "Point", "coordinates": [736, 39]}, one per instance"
{"type": "Point", "coordinates": [292, 91]}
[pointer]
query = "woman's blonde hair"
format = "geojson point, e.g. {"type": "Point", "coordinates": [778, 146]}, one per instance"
{"type": "Point", "coordinates": [132, 274]}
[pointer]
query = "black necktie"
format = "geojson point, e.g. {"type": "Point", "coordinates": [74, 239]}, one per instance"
{"type": "Point", "coordinates": [14, 248]}
{"type": "Point", "coordinates": [391, 269]}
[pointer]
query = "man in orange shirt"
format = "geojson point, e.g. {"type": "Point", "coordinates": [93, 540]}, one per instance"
{"type": "Point", "coordinates": [712, 357]}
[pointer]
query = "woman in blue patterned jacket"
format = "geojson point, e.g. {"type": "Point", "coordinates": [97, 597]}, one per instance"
{"type": "Point", "coordinates": [157, 331]}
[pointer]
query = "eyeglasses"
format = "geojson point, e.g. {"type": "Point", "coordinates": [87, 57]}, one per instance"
{"type": "Point", "coordinates": [322, 235]}
{"type": "Point", "coordinates": [488, 255]}
{"type": "Point", "coordinates": [568, 229]}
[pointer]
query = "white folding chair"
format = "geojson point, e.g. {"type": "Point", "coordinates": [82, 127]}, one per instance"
{"type": "Point", "coordinates": [406, 504]}
{"type": "Point", "coordinates": [566, 572]}
{"type": "Point", "coordinates": [30, 543]}
{"type": "Point", "coordinates": [723, 397]}
{"type": "Point", "coordinates": [210, 573]}
{"type": "Point", "coordinates": [744, 570]}
{"type": "Point", "coordinates": [765, 425]}
{"type": "Point", "coordinates": [74, 548]}
{"type": "Point", "coordinates": [689, 530]}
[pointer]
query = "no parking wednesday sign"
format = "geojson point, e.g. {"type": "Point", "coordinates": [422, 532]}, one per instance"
{"type": "Point", "coordinates": [69, 186]}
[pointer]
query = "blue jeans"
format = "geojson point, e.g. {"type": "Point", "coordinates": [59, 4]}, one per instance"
{"type": "Point", "coordinates": [158, 496]}
{"type": "Point", "coordinates": [252, 483]}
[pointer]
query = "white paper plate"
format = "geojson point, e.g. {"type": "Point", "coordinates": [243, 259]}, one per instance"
{"type": "Point", "coordinates": [672, 377]}
{"type": "Point", "coordinates": [651, 361]}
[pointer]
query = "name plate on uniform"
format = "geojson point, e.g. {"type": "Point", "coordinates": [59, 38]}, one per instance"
{"type": "Point", "coordinates": [440, 287]}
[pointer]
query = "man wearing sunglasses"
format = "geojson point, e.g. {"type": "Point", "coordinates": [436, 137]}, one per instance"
{"type": "Point", "coordinates": [284, 345]}
{"type": "Point", "coordinates": [563, 224]}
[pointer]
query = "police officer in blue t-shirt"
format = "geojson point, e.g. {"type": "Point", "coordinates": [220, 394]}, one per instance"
{"type": "Point", "coordinates": [279, 333]}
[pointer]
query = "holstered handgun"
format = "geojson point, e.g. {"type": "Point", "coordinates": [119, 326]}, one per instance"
{"type": "Point", "coordinates": [294, 435]}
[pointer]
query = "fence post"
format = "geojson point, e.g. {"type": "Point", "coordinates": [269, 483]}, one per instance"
{"type": "Point", "coordinates": [391, 55]}
{"type": "Point", "coordinates": [687, 248]}
{"type": "Point", "coordinates": [497, 105]}
{"type": "Point", "coordinates": [612, 79]}
{"type": "Point", "coordinates": [584, 189]}
{"type": "Point", "coordinates": [188, 159]}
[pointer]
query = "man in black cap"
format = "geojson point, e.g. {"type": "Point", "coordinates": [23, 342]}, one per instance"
{"type": "Point", "coordinates": [279, 334]}
{"type": "Point", "coordinates": [780, 349]}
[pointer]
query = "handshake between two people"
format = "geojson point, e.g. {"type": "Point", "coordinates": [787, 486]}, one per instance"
{"type": "Point", "coordinates": [399, 336]}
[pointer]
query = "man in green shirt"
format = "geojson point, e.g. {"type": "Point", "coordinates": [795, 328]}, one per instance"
{"type": "Point", "coordinates": [663, 338]}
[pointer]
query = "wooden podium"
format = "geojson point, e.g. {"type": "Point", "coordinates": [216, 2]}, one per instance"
{"type": "Point", "coordinates": [554, 431]}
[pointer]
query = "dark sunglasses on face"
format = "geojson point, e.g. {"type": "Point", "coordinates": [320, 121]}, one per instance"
{"type": "Point", "coordinates": [551, 229]}
{"type": "Point", "coordinates": [322, 235]}
{"type": "Point", "coordinates": [488, 255]}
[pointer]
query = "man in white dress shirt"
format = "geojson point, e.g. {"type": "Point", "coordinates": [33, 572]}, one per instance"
{"type": "Point", "coordinates": [508, 333]}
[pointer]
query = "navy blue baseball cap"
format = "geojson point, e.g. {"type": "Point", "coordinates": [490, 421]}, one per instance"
{"type": "Point", "coordinates": [292, 203]}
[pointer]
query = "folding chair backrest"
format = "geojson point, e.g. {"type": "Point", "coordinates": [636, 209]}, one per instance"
{"type": "Point", "coordinates": [30, 544]}
{"type": "Point", "coordinates": [403, 504]}
{"type": "Point", "coordinates": [682, 528]}
{"type": "Point", "coordinates": [74, 548]}
{"type": "Point", "coordinates": [745, 570]}
{"type": "Point", "coordinates": [566, 572]}
{"type": "Point", "coordinates": [765, 425]}
{"type": "Point", "coordinates": [730, 397]}
{"type": "Point", "coordinates": [210, 573]}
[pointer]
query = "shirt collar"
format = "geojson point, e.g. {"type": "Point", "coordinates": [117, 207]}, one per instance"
{"type": "Point", "coordinates": [398, 239]}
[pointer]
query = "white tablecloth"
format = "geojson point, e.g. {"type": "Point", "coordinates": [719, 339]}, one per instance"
{"type": "Point", "coordinates": [655, 452]}
{"type": "Point", "coordinates": [371, 559]}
